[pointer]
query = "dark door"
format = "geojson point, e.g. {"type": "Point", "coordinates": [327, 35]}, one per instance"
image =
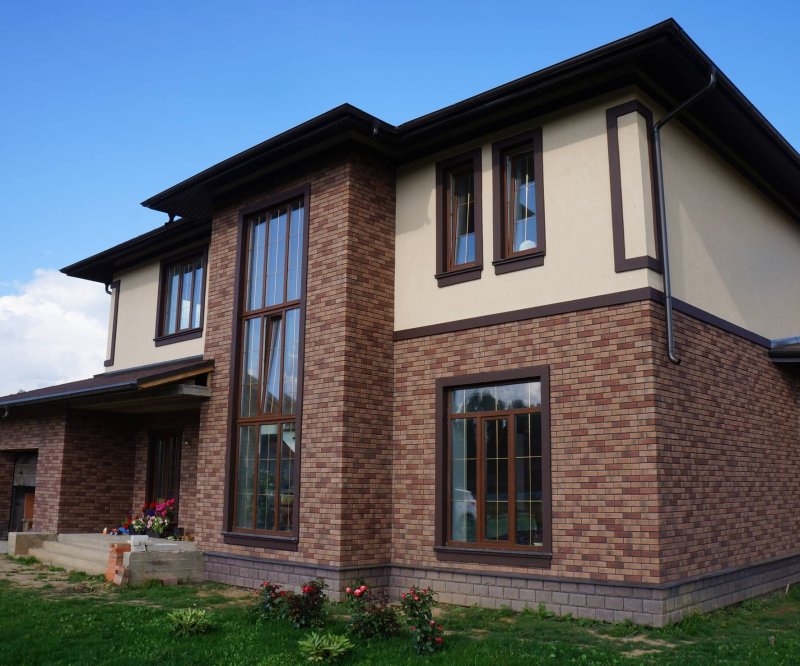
{"type": "Point", "coordinates": [163, 467]}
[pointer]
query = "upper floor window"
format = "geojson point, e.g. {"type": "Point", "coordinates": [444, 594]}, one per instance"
{"type": "Point", "coordinates": [518, 203]}
{"type": "Point", "coordinates": [458, 219]}
{"type": "Point", "coordinates": [268, 395]}
{"type": "Point", "coordinates": [182, 292]}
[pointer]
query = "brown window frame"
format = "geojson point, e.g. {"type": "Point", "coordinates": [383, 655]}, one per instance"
{"type": "Point", "coordinates": [623, 263]}
{"type": "Point", "coordinates": [486, 553]}
{"type": "Point", "coordinates": [447, 272]}
{"type": "Point", "coordinates": [193, 332]}
{"type": "Point", "coordinates": [232, 534]}
{"type": "Point", "coordinates": [505, 260]}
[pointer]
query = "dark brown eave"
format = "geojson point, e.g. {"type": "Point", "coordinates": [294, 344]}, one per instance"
{"type": "Point", "coordinates": [785, 353]}
{"type": "Point", "coordinates": [346, 123]}
{"type": "Point", "coordinates": [170, 237]}
{"type": "Point", "coordinates": [661, 60]}
{"type": "Point", "coordinates": [122, 384]}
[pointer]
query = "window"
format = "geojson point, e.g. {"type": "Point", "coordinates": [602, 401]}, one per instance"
{"type": "Point", "coordinates": [181, 294]}
{"type": "Point", "coordinates": [268, 395]}
{"type": "Point", "coordinates": [518, 203]}
{"type": "Point", "coordinates": [494, 494]}
{"type": "Point", "coordinates": [459, 245]}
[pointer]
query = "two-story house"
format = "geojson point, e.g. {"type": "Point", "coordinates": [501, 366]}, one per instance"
{"type": "Point", "coordinates": [455, 352]}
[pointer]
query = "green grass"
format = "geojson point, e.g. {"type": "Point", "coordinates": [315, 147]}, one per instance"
{"type": "Point", "coordinates": [26, 560]}
{"type": "Point", "coordinates": [129, 625]}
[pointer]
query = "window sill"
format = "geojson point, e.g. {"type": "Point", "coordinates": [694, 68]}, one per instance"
{"type": "Point", "coordinates": [517, 263]}
{"type": "Point", "coordinates": [460, 275]}
{"type": "Point", "coordinates": [517, 558]}
{"type": "Point", "coordinates": [192, 334]}
{"type": "Point", "coordinates": [260, 540]}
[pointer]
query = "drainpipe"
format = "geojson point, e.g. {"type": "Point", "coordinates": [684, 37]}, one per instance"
{"type": "Point", "coordinates": [662, 209]}
{"type": "Point", "coordinates": [108, 289]}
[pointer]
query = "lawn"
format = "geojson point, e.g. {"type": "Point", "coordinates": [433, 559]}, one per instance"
{"type": "Point", "coordinates": [79, 620]}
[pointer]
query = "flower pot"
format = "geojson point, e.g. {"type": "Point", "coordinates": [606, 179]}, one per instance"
{"type": "Point", "coordinates": [155, 535]}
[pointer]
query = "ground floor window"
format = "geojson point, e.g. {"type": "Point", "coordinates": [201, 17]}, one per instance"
{"type": "Point", "coordinates": [494, 492]}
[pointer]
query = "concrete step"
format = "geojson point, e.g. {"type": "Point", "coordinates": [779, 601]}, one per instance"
{"type": "Point", "coordinates": [77, 551]}
{"type": "Point", "coordinates": [68, 562]}
{"type": "Point", "coordinates": [99, 542]}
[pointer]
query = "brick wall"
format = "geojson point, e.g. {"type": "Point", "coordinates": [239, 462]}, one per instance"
{"type": "Point", "coordinates": [42, 430]}
{"type": "Point", "coordinates": [6, 481]}
{"type": "Point", "coordinates": [97, 471]}
{"type": "Point", "coordinates": [729, 452]}
{"type": "Point", "coordinates": [345, 484]}
{"type": "Point", "coordinates": [603, 436]}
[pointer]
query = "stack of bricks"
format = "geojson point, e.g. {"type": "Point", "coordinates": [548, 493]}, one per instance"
{"type": "Point", "coordinates": [115, 571]}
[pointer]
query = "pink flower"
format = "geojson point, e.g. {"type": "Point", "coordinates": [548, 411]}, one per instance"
{"type": "Point", "coordinates": [439, 639]}
{"type": "Point", "coordinates": [403, 596]}
{"type": "Point", "coordinates": [357, 592]}
{"type": "Point", "coordinates": [347, 590]}
{"type": "Point", "coordinates": [432, 623]}
{"type": "Point", "coordinates": [416, 598]}
{"type": "Point", "coordinates": [439, 627]}
{"type": "Point", "coordinates": [413, 628]}
{"type": "Point", "coordinates": [363, 588]}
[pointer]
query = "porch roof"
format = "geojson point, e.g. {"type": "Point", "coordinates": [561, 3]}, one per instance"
{"type": "Point", "coordinates": [125, 390]}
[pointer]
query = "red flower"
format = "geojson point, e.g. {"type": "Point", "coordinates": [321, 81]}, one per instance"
{"type": "Point", "coordinates": [413, 628]}
{"type": "Point", "coordinates": [358, 592]}
{"type": "Point", "coordinates": [439, 639]}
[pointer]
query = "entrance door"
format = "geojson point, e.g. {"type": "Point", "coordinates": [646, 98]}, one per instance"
{"type": "Point", "coordinates": [163, 466]}
{"type": "Point", "coordinates": [22, 499]}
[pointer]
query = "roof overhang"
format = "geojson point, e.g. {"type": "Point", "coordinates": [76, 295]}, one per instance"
{"type": "Point", "coordinates": [785, 352]}
{"type": "Point", "coordinates": [171, 237]}
{"type": "Point", "coordinates": [173, 386]}
{"type": "Point", "coordinates": [662, 60]}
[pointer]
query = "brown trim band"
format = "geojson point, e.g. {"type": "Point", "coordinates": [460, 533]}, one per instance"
{"type": "Point", "coordinates": [114, 286]}
{"type": "Point", "coordinates": [621, 262]}
{"type": "Point", "coordinates": [260, 541]}
{"type": "Point", "coordinates": [617, 298]}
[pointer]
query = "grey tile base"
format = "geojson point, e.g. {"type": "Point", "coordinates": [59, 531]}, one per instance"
{"type": "Point", "coordinates": [611, 602]}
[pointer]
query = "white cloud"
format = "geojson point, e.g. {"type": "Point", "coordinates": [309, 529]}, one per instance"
{"type": "Point", "coordinates": [53, 330]}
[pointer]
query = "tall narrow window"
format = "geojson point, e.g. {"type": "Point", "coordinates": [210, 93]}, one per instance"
{"type": "Point", "coordinates": [458, 219]}
{"type": "Point", "coordinates": [518, 203]}
{"type": "Point", "coordinates": [265, 495]}
{"type": "Point", "coordinates": [180, 310]}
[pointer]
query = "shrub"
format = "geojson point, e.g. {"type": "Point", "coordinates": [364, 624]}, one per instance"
{"type": "Point", "coordinates": [189, 621]}
{"type": "Point", "coordinates": [324, 647]}
{"type": "Point", "coordinates": [272, 601]}
{"type": "Point", "coordinates": [417, 605]}
{"type": "Point", "coordinates": [307, 609]}
{"type": "Point", "coordinates": [370, 615]}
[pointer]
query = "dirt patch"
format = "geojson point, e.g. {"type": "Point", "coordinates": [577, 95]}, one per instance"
{"type": "Point", "coordinates": [477, 634]}
{"type": "Point", "coordinates": [641, 653]}
{"type": "Point", "coordinates": [638, 639]}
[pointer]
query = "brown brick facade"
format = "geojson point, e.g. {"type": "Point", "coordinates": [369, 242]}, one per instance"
{"type": "Point", "coordinates": [602, 438]}
{"type": "Point", "coordinates": [345, 486]}
{"type": "Point", "coordinates": [729, 453]}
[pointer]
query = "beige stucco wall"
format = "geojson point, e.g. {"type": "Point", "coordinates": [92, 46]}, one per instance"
{"type": "Point", "coordinates": [136, 322]}
{"type": "Point", "coordinates": [636, 185]}
{"type": "Point", "coordinates": [733, 252]}
{"type": "Point", "coordinates": [580, 259]}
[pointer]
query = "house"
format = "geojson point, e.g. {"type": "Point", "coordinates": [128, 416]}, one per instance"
{"type": "Point", "coordinates": [445, 352]}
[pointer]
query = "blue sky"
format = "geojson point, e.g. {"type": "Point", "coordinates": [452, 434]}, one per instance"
{"type": "Point", "coordinates": [105, 104]}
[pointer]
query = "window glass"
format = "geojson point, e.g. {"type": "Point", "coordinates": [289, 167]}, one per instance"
{"type": "Point", "coordinates": [182, 296]}
{"type": "Point", "coordinates": [521, 198]}
{"type": "Point", "coordinates": [270, 365]}
{"type": "Point", "coordinates": [245, 466]}
{"type": "Point", "coordinates": [462, 217]}
{"type": "Point", "coordinates": [495, 465]}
